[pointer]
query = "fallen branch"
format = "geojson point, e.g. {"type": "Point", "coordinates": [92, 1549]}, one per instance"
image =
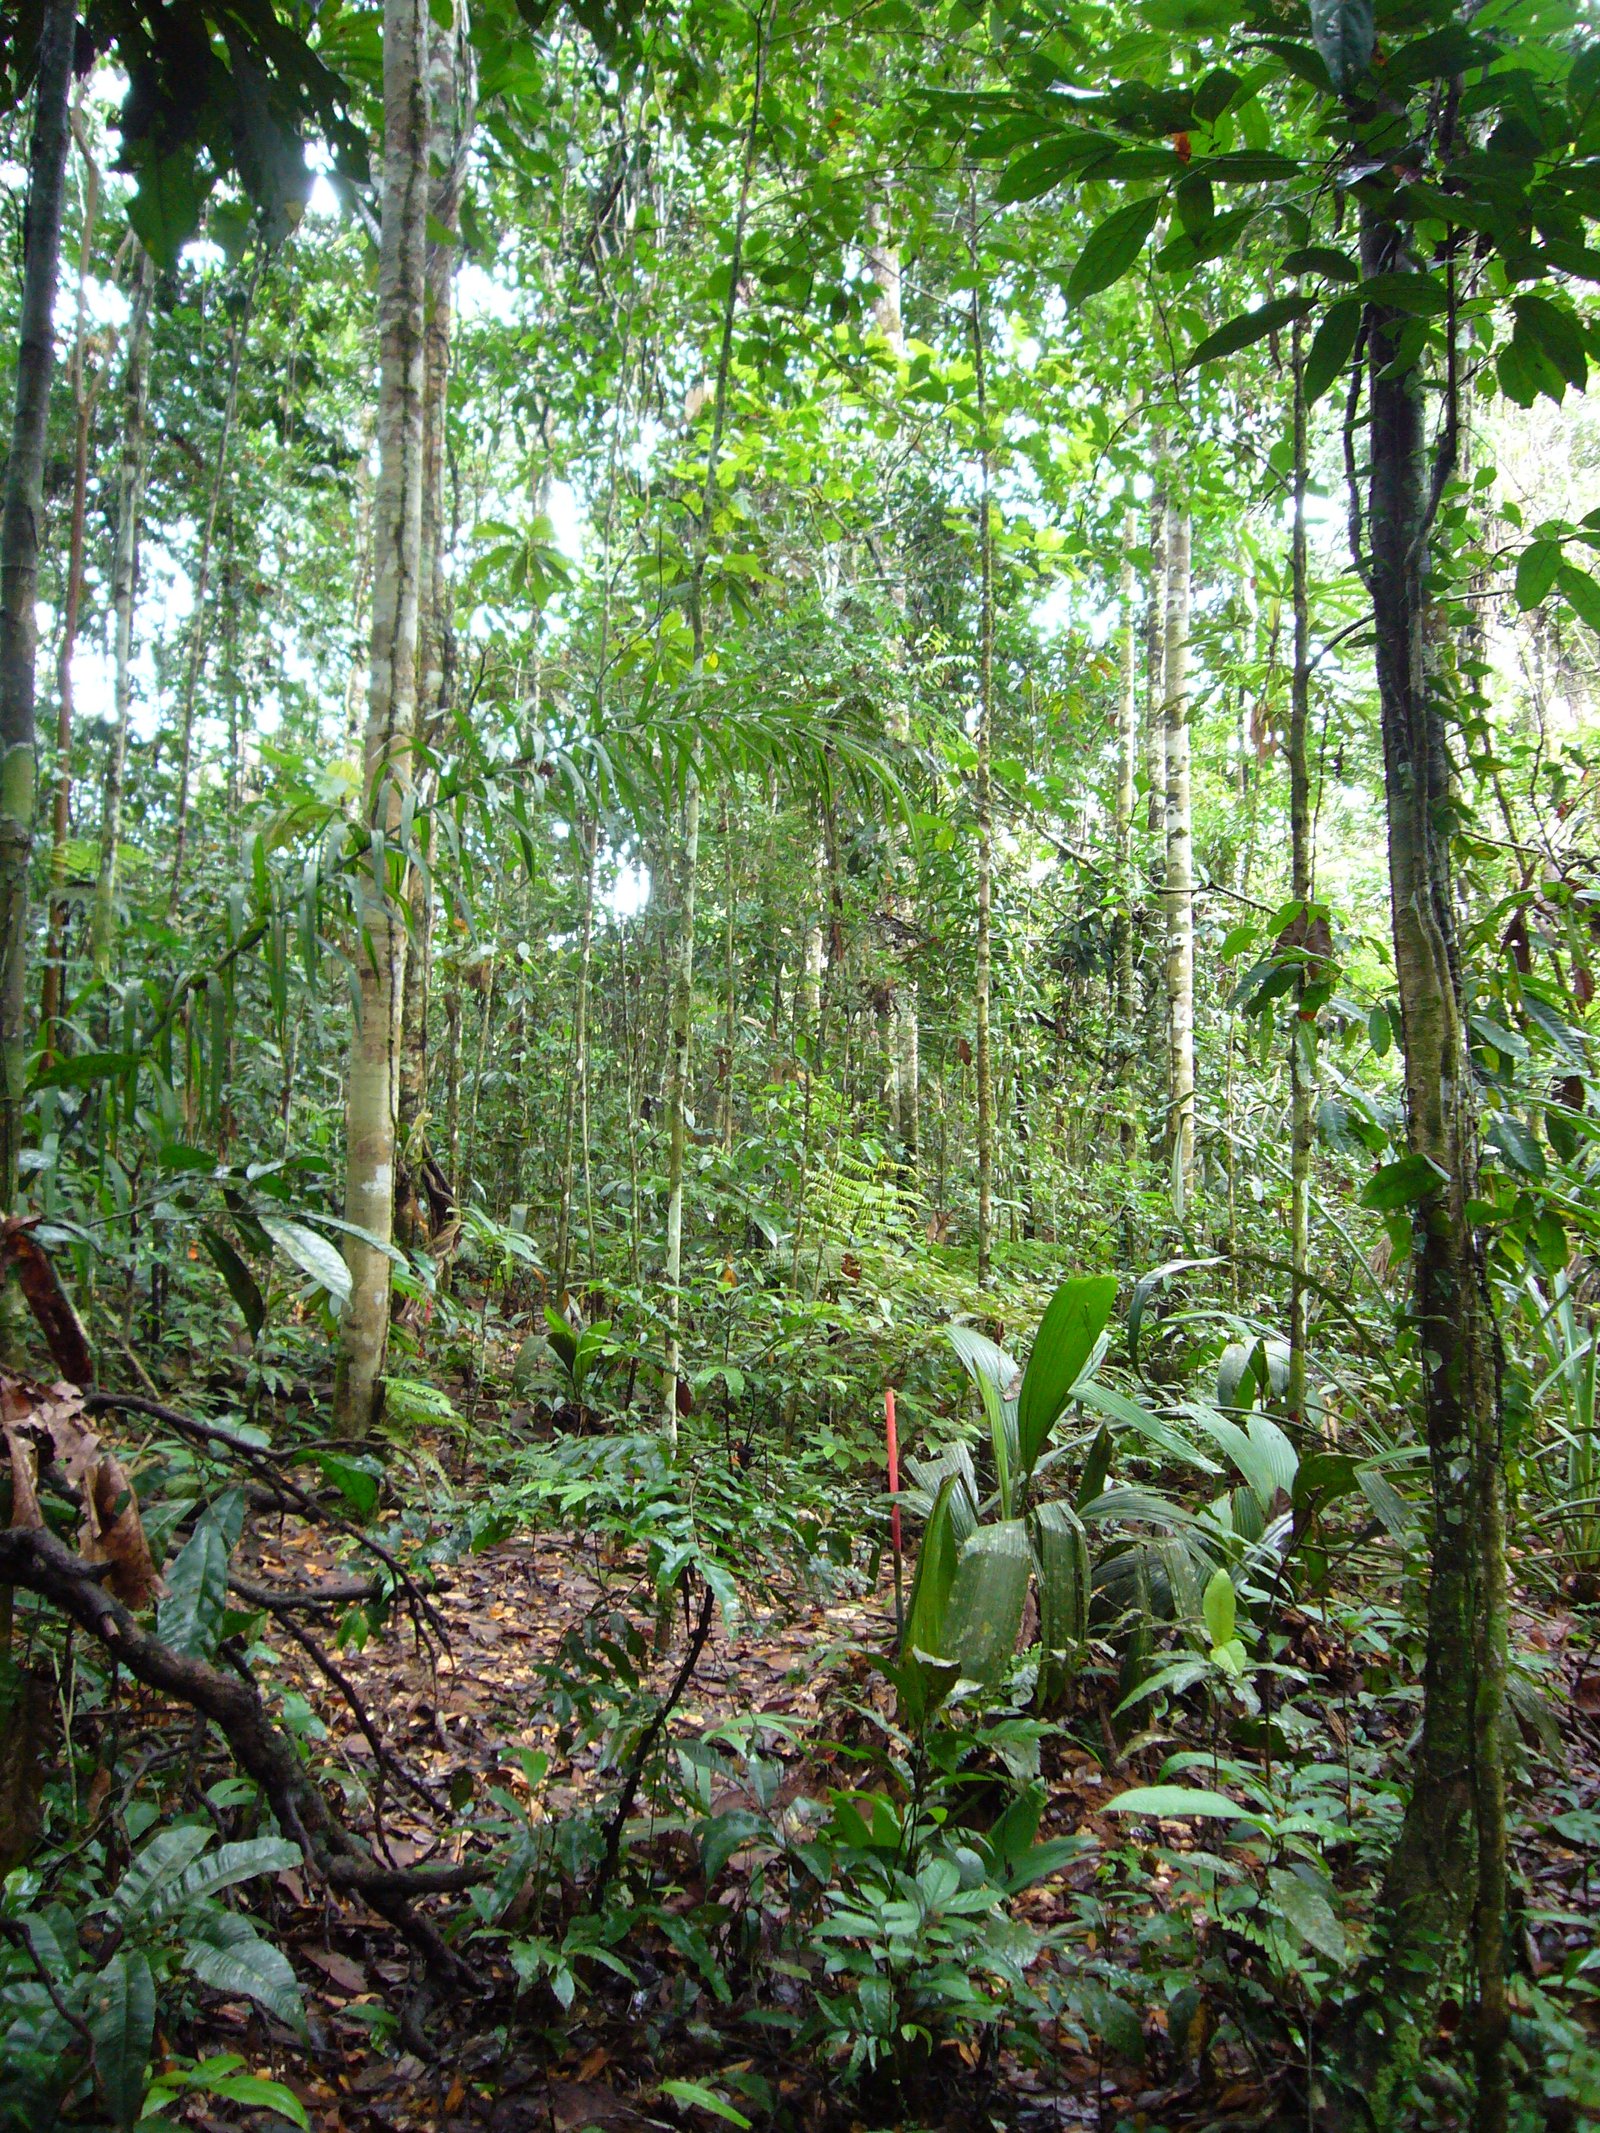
{"type": "Point", "coordinates": [33, 1560]}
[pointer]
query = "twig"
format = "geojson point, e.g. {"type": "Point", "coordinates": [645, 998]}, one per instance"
{"type": "Point", "coordinates": [647, 1740]}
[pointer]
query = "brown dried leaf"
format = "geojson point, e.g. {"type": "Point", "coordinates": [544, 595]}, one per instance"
{"type": "Point", "coordinates": [48, 1301]}
{"type": "Point", "coordinates": [116, 1536]}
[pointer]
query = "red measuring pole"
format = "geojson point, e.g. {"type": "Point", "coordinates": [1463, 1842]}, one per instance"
{"type": "Point", "coordinates": [893, 1444]}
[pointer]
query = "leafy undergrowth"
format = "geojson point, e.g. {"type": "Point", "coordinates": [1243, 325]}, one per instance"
{"type": "Point", "coordinates": [1155, 1976]}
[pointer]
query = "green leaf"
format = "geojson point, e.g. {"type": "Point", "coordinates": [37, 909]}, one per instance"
{"type": "Point", "coordinates": [355, 1481]}
{"type": "Point", "coordinates": [1219, 1608]}
{"type": "Point", "coordinates": [1344, 35]}
{"type": "Point", "coordinates": [984, 1616]}
{"type": "Point", "coordinates": [241, 1283]}
{"type": "Point", "coordinates": [1380, 1032]}
{"type": "Point", "coordinates": [700, 2098]}
{"type": "Point", "coordinates": [1062, 1548]}
{"type": "Point", "coordinates": [154, 1869]}
{"type": "Point", "coordinates": [312, 1253]}
{"type": "Point", "coordinates": [1215, 93]}
{"type": "Point", "coordinates": [225, 1952]}
{"type": "Point", "coordinates": [1517, 1144]}
{"type": "Point", "coordinates": [1581, 594]}
{"type": "Point", "coordinates": [1074, 1320]}
{"type": "Point", "coordinates": [1175, 1802]}
{"type": "Point", "coordinates": [1400, 1183]}
{"type": "Point", "coordinates": [1331, 348]}
{"type": "Point", "coordinates": [84, 1069]}
{"type": "Point", "coordinates": [189, 1618]}
{"type": "Point", "coordinates": [165, 208]}
{"type": "Point", "coordinates": [1249, 327]}
{"type": "Point", "coordinates": [256, 2093]}
{"type": "Point", "coordinates": [224, 1868]}
{"type": "Point", "coordinates": [122, 2025]}
{"type": "Point", "coordinates": [935, 1574]}
{"type": "Point", "coordinates": [1536, 572]}
{"type": "Point", "coordinates": [1310, 1913]}
{"type": "Point", "coordinates": [1321, 259]}
{"type": "Point", "coordinates": [1113, 248]}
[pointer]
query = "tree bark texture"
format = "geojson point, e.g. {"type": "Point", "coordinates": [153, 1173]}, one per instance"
{"type": "Point", "coordinates": [21, 512]}
{"type": "Point", "coordinates": [124, 595]}
{"type": "Point", "coordinates": [1180, 866]}
{"type": "Point", "coordinates": [371, 1088]}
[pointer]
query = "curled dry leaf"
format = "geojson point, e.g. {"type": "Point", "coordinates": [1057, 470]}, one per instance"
{"type": "Point", "coordinates": [46, 1426]}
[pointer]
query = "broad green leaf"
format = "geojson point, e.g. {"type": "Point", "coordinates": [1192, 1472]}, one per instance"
{"type": "Point", "coordinates": [1173, 1803]}
{"type": "Point", "coordinates": [1344, 35]}
{"type": "Point", "coordinates": [1219, 1608]}
{"type": "Point", "coordinates": [935, 1574]}
{"type": "Point", "coordinates": [189, 1618]}
{"type": "Point", "coordinates": [225, 1952]}
{"type": "Point", "coordinates": [1113, 248]}
{"type": "Point", "coordinates": [355, 1481]}
{"type": "Point", "coordinates": [241, 1283]}
{"type": "Point", "coordinates": [1380, 1031]}
{"type": "Point", "coordinates": [1581, 594]}
{"type": "Point", "coordinates": [1536, 572]}
{"type": "Point", "coordinates": [700, 2098]}
{"type": "Point", "coordinates": [984, 1617]}
{"type": "Point", "coordinates": [224, 1868]}
{"type": "Point", "coordinates": [1331, 348]}
{"type": "Point", "coordinates": [1073, 1322]}
{"type": "Point", "coordinates": [1517, 1144]}
{"type": "Point", "coordinates": [122, 2025]}
{"type": "Point", "coordinates": [1399, 1184]}
{"type": "Point", "coordinates": [1309, 1911]}
{"type": "Point", "coordinates": [312, 1253]}
{"type": "Point", "coordinates": [1249, 327]}
{"type": "Point", "coordinates": [153, 1869]}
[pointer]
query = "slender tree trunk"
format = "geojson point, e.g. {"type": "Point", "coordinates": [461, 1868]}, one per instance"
{"type": "Point", "coordinates": [1303, 1030]}
{"type": "Point", "coordinates": [21, 513]}
{"type": "Point", "coordinates": [1155, 683]}
{"type": "Point", "coordinates": [371, 1092]}
{"type": "Point", "coordinates": [85, 391]}
{"type": "Point", "coordinates": [1123, 1047]}
{"type": "Point", "coordinates": [681, 1016]}
{"type": "Point", "coordinates": [983, 797]}
{"type": "Point", "coordinates": [450, 114]}
{"type": "Point", "coordinates": [1448, 1869]}
{"type": "Point", "coordinates": [578, 1078]}
{"type": "Point", "coordinates": [124, 593]}
{"type": "Point", "coordinates": [883, 263]}
{"type": "Point", "coordinates": [237, 330]}
{"type": "Point", "coordinates": [1180, 867]}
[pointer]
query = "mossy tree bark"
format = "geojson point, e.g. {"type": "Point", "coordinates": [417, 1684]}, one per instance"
{"type": "Point", "coordinates": [1448, 1870]}
{"type": "Point", "coordinates": [1303, 1028]}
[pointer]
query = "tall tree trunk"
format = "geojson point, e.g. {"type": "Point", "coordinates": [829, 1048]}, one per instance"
{"type": "Point", "coordinates": [1303, 1028]}
{"type": "Point", "coordinates": [1180, 867]}
{"type": "Point", "coordinates": [124, 593]}
{"type": "Point", "coordinates": [1123, 1047]}
{"type": "Point", "coordinates": [85, 391]}
{"type": "Point", "coordinates": [1448, 1868]}
{"type": "Point", "coordinates": [983, 797]}
{"type": "Point", "coordinates": [451, 115]}
{"type": "Point", "coordinates": [681, 1010]}
{"type": "Point", "coordinates": [1155, 672]}
{"type": "Point", "coordinates": [237, 330]}
{"type": "Point", "coordinates": [20, 515]}
{"type": "Point", "coordinates": [578, 1078]}
{"type": "Point", "coordinates": [883, 263]}
{"type": "Point", "coordinates": [371, 1091]}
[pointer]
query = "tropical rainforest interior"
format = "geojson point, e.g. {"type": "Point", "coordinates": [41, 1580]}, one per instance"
{"type": "Point", "coordinates": [799, 1115]}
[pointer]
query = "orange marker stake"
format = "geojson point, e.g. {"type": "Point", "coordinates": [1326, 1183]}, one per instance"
{"type": "Point", "coordinates": [894, 1501]}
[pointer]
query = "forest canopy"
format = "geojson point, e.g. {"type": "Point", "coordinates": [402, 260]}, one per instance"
{"type": "Point", "coordinates": [798, 1106]}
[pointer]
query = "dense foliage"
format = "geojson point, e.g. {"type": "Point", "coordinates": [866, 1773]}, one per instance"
{"type": "Point", "coordinates": [797, 858]}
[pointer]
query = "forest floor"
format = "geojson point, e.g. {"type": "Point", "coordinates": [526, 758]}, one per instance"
{"type": "Point", "coordinates": [466, 1717]}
